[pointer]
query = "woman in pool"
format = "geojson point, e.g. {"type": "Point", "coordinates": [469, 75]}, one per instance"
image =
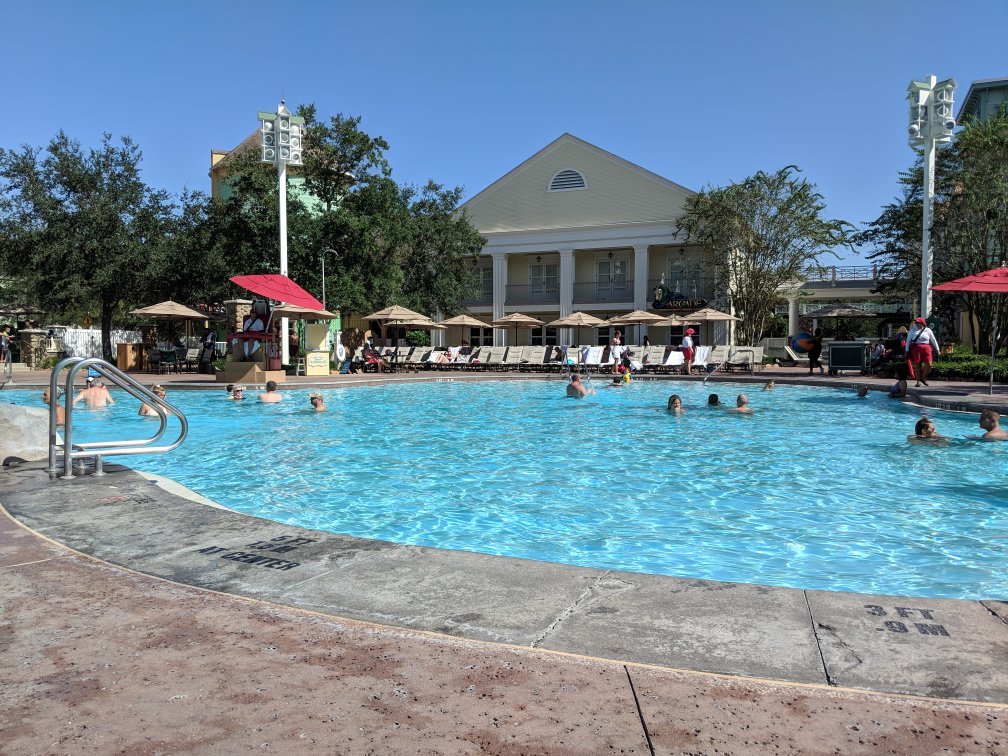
{"type": "Point", "coordinates": [675, 404]}
{"type": "Point", "coordinates": [145, 409]}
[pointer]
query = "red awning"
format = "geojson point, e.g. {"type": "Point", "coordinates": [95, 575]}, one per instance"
{"type": "Point", "coordinates": [278, 287]}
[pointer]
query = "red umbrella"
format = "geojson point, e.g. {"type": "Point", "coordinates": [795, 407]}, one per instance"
{"type": "Point", "coordinates": [278, 287]}
{"type": "Point", "coordinates": [994, 281]}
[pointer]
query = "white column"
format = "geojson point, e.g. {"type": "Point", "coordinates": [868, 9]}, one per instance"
{"type": "Point", "coordinates": [499, 292]}
{"type": "Point", "coordinates": [792, 316]}
{"type": "Point", "coordinates": [282, 179]}
{"type": "Point", "coordinates": [640, 286]}
{"type": "Point", "coordinates": [566, 291]}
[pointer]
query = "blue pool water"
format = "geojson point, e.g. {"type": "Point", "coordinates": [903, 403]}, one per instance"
{"type": "Point", "coordinates": [818, 489]}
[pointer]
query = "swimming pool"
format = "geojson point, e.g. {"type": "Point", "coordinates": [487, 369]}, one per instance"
{"type": "Point", "coordinates": [818, 489]}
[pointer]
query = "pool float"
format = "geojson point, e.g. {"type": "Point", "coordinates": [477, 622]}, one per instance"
{"type": "Point", "coordinates": [802, 342]}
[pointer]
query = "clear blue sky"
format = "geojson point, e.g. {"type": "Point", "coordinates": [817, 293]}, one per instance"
{"type": "Point", "coordinates": [700, 92]}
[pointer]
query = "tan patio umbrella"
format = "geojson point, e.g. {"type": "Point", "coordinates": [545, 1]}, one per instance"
{"type": "Point", "coordinates": [170, 311]}
{"type": "Point", "coordinates": [518, 320]}
{"type": "Point", "coordinates": [397, 315]}
{"type": "Point", "coordinates": [639, 318]}
{"type": "Point", "coordinates": [709, 315]}
{"type": "Point", "coordinates": [466, 321]}
{"type": "Point", "coordinates": [577, 320]}
{"type": "Point", "coordinates": [302, 313]}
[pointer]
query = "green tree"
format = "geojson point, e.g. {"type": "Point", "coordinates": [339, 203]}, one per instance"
{"type": "Point", "coordinates": [763, 232]}
{"type": "Point", "coordinates": [79, 228]}
{"type": "Point", "coordinates": [969, 231]}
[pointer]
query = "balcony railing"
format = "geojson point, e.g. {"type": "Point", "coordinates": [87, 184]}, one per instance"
{"type": "Point", "coordinates": [687, 288]}
{"type": "Point", "coordinates": [517, 294]}
{"type": "Point", "coordinates": [586, 292]}
{"type": "Point", "coordinates": [849, 276]}
{"type": "Point", "coordinates": [483, 298]}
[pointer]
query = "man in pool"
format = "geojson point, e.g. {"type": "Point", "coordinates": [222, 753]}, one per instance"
{"type": "Point", "coordinates": [862, 391]}
{"type": "Point", "coordinates": [990, 421]}
{"type": "Point", "coordinates": [271, 395]}
{"type": "Point", "coordinates": [714, 401]}
{"type": "Point", "coordinates": [317, 403]}
{"type": "Point", "coordinates": [925, 433]}
{"type": "Point", "coordinates": [94, 395]}
{"type": "Point", "coordinates": [576, 389]}
{"type": "Point", "coordinates": [60, 412]}
{"type": "Point", "coordinates": [742, 405]}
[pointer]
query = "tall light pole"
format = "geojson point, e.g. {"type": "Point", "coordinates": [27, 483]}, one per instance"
{"type": "Point", "coordinates": [931, 121]}
{"type": "Point", "coordinates": [281, 146]}
{"type": "Point", "coordinates": [326, 251]}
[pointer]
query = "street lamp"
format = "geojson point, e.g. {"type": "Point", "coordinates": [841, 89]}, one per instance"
{"type": "Point", "coordinates": [931, 121]}
{"type": "Point", "coordinates": [281, 146]}
{"type": "Point", "coordinates": [326, 251]}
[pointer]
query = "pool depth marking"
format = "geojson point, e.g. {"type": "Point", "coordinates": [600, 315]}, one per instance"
{"type": "Point", "coordinates": [279, 545]}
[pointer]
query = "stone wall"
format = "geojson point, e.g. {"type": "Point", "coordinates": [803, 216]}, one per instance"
{"type": "Point", "coordinates": [24, 432]}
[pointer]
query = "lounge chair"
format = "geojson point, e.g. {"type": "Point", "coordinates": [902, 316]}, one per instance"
{"type": "Point", "coordinates": [674, 362]}
{"type": "Point", "coordinates": [743, 358]}
{"type": "Point", "coordinates": [534, 358]}
{"type": "Point", "coordinates": [702, 356]}
{"type": "Point", "coordinates": [494, 358]}
{"type": "Point", "coordinates": [418, 357]}
{"type": "Point", "coordinates": [513, 358]}
{"type": "Point", "coordinates": [652, 358]}
{"type": "Point", "coordinates": [191, 359]}
{"type": "Point", "coordinates": [592, 359]}
{"type": "Point", "coordinates": [794, 358]}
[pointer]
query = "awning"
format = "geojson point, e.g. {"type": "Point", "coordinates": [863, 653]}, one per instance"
{"type": "Point", "coordinates": [278, 287]}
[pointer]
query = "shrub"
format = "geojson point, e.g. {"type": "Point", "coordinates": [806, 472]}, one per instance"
{"type": "Point", "coordinates": [417, 338]}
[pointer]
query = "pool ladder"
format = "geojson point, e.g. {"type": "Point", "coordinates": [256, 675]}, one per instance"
{"type": "Point", "coordinates": [69, 452]}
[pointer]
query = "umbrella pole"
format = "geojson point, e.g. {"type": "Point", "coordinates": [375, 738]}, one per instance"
{"type": "Point", "coordinates": [990, 381]}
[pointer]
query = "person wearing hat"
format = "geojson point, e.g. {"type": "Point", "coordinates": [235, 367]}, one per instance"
{"type": "Point", "coordinates": [921, 347]}
{"type": "Point", "coordinates": [94, 395]}
{"type": "Point", "coordinates": [686, 345]}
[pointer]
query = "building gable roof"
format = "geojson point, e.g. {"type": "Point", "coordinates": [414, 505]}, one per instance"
{"type": "Point", "coordinates": [616, 192]}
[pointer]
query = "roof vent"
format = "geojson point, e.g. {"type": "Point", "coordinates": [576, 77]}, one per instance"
{"type": "Point", "coordinates": [567, 181]}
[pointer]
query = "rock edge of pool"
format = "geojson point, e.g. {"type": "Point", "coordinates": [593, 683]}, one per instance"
{"type": "Point", "coordinates": [943, 648]}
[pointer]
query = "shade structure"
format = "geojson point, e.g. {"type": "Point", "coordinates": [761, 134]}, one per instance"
{"type": "Point", "coordinates": [170, 310]}
{"type": "Point", "coordinates": [518, 320]}
{"type": "Point", "coordinates": [466, 321]}
{"type": "Point", "coordinates": [708, 315]}
{"type": "Point", "coordinates": [278, 287]}
{"type": "Point", "coordinates": [994, 281]}
{"type": "Point", "coordinates": [639, 318]}
{"type": "Point", "coordinates": [577, 320]}
{"type": "Point", "coordinates": [302, 313]}
{"type": "Point", "coordinates": [397, 315]}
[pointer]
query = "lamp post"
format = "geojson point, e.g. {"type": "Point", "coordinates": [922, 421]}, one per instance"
{"type": "Point", "coordinates": [931, 121]}
{"type": "Point", "coordinates": [281, 146]}
{"type": "Point", "coordinates": [326, 251]}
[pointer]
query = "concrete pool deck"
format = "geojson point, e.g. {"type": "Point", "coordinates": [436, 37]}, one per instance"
{"type": "Point", "coordinates": [443, 651]}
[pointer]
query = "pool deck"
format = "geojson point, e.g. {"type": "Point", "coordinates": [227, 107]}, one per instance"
{"type": "Point", "coordinates": [137, 619]}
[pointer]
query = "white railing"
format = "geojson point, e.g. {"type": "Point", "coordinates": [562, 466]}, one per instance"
{"type": "Point", "coordinates": [86, 342]}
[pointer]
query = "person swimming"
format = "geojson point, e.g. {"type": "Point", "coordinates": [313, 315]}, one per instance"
{"type": "Point", "coordinates": [675, 405]}
{"type": "Point", "coordinates": [714, 401]}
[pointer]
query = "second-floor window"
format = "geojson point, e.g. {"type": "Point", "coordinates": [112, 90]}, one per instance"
{"type": "Point", "coordinates": [544, 277]}
{"type": "Point", "coordinates": [486, 282]}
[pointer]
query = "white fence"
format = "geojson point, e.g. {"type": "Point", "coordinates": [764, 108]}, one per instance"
{"type": "Point", "coordinates": [86, 342]}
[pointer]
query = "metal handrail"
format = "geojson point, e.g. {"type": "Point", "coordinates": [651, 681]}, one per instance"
{"type": "Point", "coordinates": [98, 449]}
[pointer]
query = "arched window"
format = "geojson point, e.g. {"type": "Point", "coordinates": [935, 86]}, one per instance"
{"type": "Point", "coordinates": [567, 181]}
